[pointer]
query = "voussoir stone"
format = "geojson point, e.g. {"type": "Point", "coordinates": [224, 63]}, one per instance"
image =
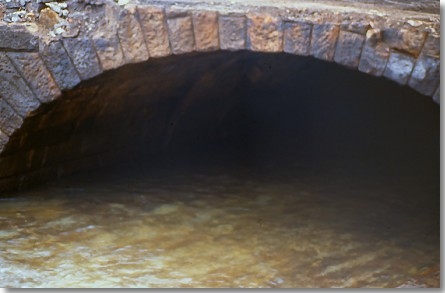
{"type": "Point", "coordinates": [106, 41]}
{"type": "Point", "coordinates": [59, 64]}
{"type": "Point", "coordinates": [232, 32]}
{"type": "Point", "coordinates": [432, 46]}
{"type": "Point", "coordinates": [84, 57]}
{"type": "Point", "coordinates": [152, 20]}
{"type": "Point", "coordinates": [349, 48]}
{"type": "Point", "coordinates": [399, 67]}
{"type": "Point", "coordinates": [436, 96]}
{"type": "Point", "coordinates": [33, 69]}
{"type": "Point", "coordinates": [3, 139]}
{"type": "Point", "coordinates": [426, 75]}
{"type": "Point", "coordinates": [205, 27]}
{"type": "Point", "coordinates": [14, 89]}
{"type": "Point", "coordinates": [405, 39]}
{"type": "Point", "coordinates": [131, 37]}
{"type": "Point", "coordinates": [374, 55]}
{"type": "Point", "coordinates": [297, 38]}
{"type": "Point", "coordinates": [18, 37]}
{"type": "Point", "coordinates": [323, 41]}
{"type": "Point", "coordinates": [180, 31]}
{"type": "Point", "coordinates": [264, 33]}
{"type": "Point", "coordinates": [9, 119]}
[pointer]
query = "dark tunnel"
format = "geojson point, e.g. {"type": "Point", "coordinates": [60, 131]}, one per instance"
{"type": "Point", "coordinates": [341, 168]}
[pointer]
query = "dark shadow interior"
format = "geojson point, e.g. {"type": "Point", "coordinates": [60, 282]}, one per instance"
{"type": "Point", "coordinates": [239, 169]}
{"type": "Point", "coordinates": [262, 110]}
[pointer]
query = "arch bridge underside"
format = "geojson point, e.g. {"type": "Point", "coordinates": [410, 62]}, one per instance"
{"type": "Point", "coordinates": [53, 51]}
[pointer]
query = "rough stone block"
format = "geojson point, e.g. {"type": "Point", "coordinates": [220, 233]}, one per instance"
{"type": "Point", "coordinates": [60, 65]}
{"type": "Point", "coordinates": [265, 33]}
{"type": "Point", "coordinates": [358, 27]}
{"type": "Point", "coordinates": [373, 60]}
{"type": "Point", "coordinates": [9, 119]}
{"type": "Point", "coordinates": [409, 40]}
{"type": "Point", "coordinates": [106, 41]}
{"type": "Point", "coordinates": [436, 96]}
{"type": "Point", "coordinates": [3, 140]}
{"type": "Point", "coordinates": [323, 41]}
{"type": "Point", "coordinates": [374, 54]}
{"type": "Point", "coordinates": [426, 75]}
{"type": "Point", "coordinates": [205, 27]}
{"type": "Point", "coordinates": [14, 89]}
{"type": "Point", "coordinates": [18, 37]}
{"type": "Point", "coordinates": [131, 37]}
{"type": "Point", "coordinates": [84, 57]}
{"type": "Point", "coordinates": [399, 67]}
{"type": "Point", "coordinates": [232, 32]}
{"type": "Point", "coordinates": [152, 20]}
{"type": "Point", "coordinates": [349, 48]}
{"type": "Point", "coordinates": [297, 38]}
{"type": "Point", "coordinates": [432, 46]}
{"type": "Point", "coordinates": [33, 69]}
{"type": "Point", "coordinates": [180, 31]}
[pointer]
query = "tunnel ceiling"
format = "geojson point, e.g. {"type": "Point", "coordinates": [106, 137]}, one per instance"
{"type": "Point", "coordinates": [185, 102]}
{"type": "Point", "coordinates": [56, 58]}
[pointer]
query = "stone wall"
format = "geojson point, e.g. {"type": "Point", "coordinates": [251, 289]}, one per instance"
{"type": "Point", "coordinates": [45, 56]}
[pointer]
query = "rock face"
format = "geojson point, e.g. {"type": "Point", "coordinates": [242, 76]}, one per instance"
{"type": "Point", "coordinates": [48, 47]}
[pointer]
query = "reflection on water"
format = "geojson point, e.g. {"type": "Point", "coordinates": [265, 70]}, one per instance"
{"type": "Point", "coordinates": [221, 226]}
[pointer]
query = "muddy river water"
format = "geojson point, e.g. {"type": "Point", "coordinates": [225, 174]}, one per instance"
{"type": "Point", "coordinates": [223, 225]}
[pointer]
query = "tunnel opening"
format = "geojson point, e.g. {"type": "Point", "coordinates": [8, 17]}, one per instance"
{"type": "Point", "coordinates": [227, 169]}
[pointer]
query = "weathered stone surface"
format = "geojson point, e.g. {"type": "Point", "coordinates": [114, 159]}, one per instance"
{"type": "Point", "coordinates": [399, 67]}
{"type": "Point", "coordinates": [59, 64]}
{"type": "Point", "coordinates": [17, 37]}
{"type": "Point", "coordinates": [232, 32]}
{"type": "Point", "coordinates": [84, 57]}
{"type": "Point", "coordinates": [406, 39]}
{"type": "Point", "coordinates": [359, 27]}
{"type": "Point", "coordinates": [131, 37]}
{"type": "Point", "coordinates": [374, 54]}
{"type": "Point", "coordinates": [106, 41]}
{"type": "Point", "coordinates": [436, 96]}
{"type": "Point", "coordinates": [205, 27]}
{"type": "Point", "coordinates": [180, 31]}
{"type": "Point", "coordinates": [297, 38]}
{"type": "Point", "coordinates": [14, 89]}
{"type": "Point", "coordinates": [264, 33]}
{"type": "Point", "coordinates": [9, 119]}
{"type": "Point", "coordinates": [426, 75]}
{"type": "Point", "coordinates": [33, 69]}
{"type": "Point", "coordinates": [152, 20]}
{"type": "Point", "coordinates": [3, 140]}
{"type": "Point", "coordinates": [349, 48]}
{"type": "Point", "coordinates": [48, 18]}
{"type": "Point", "coordinates": [323, 41]}
{"type": "Point", "coordinates": [432, 46]}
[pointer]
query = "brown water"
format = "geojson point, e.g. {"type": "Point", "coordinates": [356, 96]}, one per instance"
{"type": "Point", "coordinates": [223, 225]}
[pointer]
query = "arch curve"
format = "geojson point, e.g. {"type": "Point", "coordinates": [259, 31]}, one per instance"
{"type": "Point", "coordinates": [403, 46]}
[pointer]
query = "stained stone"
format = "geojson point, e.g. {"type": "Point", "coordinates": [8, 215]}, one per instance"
{"type": "Point", "coordinates": [205, 26]}
{"type": "Point", "coordinates": [399, 67]}
{"type": "Point", "coordinates": [232, 32]}
{"type": "Point", "coordinates": [33, 69]}
{"type": "Point", "coordinates": [297, 38]}
{"type": "Point", "coordinates": [324, 39]}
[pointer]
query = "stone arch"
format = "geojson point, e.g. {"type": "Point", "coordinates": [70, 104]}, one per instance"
{"type": "Point", "coordinates": [404, 49]}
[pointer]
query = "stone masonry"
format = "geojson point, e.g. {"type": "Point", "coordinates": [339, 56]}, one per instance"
{"type": "Point", "coordinates": [53, 48]}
